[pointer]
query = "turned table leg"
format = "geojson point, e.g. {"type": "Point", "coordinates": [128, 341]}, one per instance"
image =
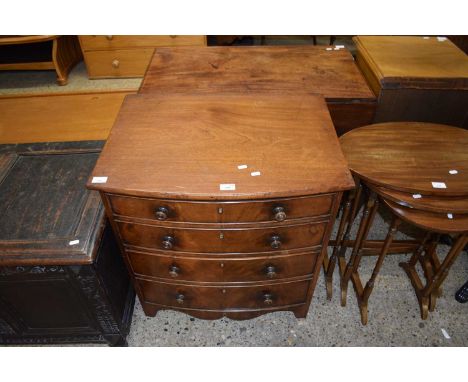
{"type": "Point", "coordinates": [363, 294]}
{"type": "Point", "coordinates": [427, 294]}
{"type": "Point", "coordinates": [353, 263]}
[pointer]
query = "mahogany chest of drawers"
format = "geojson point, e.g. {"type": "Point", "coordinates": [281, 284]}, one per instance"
{"type": "Point", "coordinates": [126, 56]}
{"type": "Point", "coordinates": [266, 70]}
{"type": "Point", "coordinates": [223, 204]}
{"type": "Point", "coordinates": [62, 279]}
{"type": "Point", "coordinates": [422, 79]}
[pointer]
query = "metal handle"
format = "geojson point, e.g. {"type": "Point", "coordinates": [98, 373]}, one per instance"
{"type": "Point", "coordinates": [115, 63]}
{"type": "Point", "coordinates": [270, 271]}
{"type": "Point", "coordinates": [110, 37]}
{"type": "Point", "coordinates": [280, 215]}
{"type": "Point", "coordinates": [180, 298]}
{"type": "Point", "coordinates": [167, 242]}
{"type": "Point", "coordinates": [268, 299]}
{"type": "Point", "coordinates": [275, 241]}
{"type": "Point", "coordinates": [162, 213]}
{"type": "Point", "coordinates": [174, 271]}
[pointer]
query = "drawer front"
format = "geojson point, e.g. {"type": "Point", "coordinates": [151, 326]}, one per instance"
{"type": "Point", "coordinates": [227, 212]}
{"type": "Point", "coordinates": [118, 63]}
{"type": "Point", "coordinates": [223, 240]}
{"type": "Point", "coordinates": [244, 269]}
{"type": "Point", "coordinates": [118, 42]}
{"type": "Point", "coordinates": [224, 297]}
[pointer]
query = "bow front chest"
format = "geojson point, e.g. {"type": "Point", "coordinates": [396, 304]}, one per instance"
{"type": "Point", "coordinates": [223, 204]}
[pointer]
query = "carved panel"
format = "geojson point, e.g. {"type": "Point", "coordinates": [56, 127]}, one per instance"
{"type": "Point", "coordinates": [90, 287]}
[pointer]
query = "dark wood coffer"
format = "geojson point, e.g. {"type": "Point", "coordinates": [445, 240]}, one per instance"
{"type": "Point", "coordinates": [62, 277]}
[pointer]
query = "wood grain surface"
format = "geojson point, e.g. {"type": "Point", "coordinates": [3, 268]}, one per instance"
{"type": "Point", "coordinates": [187, 146]}
{"type": "Point", "coordinates": [439, 204]}
{"type": "Point", "coordinates": [404, 61]}
{"type": "Point", "coordinates": [430, 221]}
{"type": "Point", "coordinates": [58, 117]}
{"type": "Point", "coordinates": [279, 69]}
{"type": "Point", "coordinates": [409, 156]}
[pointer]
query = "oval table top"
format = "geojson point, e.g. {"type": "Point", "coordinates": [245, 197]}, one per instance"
{"type": "Point", "coordinates": [431, 221]}
{"type": "Point", "coordinates": [438, 204]}
{"type": "Point", "coordinates": [415, 157]}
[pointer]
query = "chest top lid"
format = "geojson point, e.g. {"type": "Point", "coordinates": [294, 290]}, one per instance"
{"type": "Point", "coordinates": [48, 215]}
{"type": "Point", "coordinates": [191, 147]}
{"type": "Point", "coordinates": [414, 61]}
{"type": "Point", "coordinates": [281, 69]}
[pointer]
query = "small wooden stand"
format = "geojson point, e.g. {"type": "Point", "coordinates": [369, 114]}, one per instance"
{"type": "Point", "coordinates": [59, 53]}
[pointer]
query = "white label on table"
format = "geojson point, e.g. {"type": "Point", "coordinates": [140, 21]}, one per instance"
{"type": "Point", "coordinates": [99, 179]}
{"type": "Point", "coordinates": [450, 216]}
{"type": "Point", "coordinates": [73, 242]}
{"type": "Point", "coordinates": [255, 173]}
{"type": "Point", "coordinates": [242, 166]}
{"type": "Point", "coordinates": [446, 335]}
{"type": "Point", "coordinates": [417, 196]}
{"type": "Point", "coordinates": [227, 187]}
{"type": "Point", "coordinates": [453, 172]}
{"type": "Point", "coordinates": [439, 185]}
{"type": "Point", "coordinates": [339, 46]}
{"type": "Point", "coordinates": [426, 38]}
{"type": "Point", "coordinates": [328, 48]}
{"type": "Point", "coordinates": [441, 39]}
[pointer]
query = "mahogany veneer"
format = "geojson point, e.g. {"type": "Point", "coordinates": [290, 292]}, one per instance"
{"type": "Point", "coordinates": [192, 245]}
{"type": "Point", "coordinates": [273, 69]}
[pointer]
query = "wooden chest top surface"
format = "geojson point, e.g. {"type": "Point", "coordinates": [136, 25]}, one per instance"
{"type": "Point", "coordinates": [414, 61]}
{"type": "Point", "coordinates": [280, 69]}
{"type": "Point", "coordinates": [48, 215]}
{"type": "Point", "coordinates": [187, 147]}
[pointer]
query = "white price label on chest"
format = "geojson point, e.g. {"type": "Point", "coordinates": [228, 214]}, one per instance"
{"type": "Point", "coordinates": [439, 185]}
{"type": "Point", "coordinates": [99, 179]}
{"type": "Point", "coordinates": [227, 187]}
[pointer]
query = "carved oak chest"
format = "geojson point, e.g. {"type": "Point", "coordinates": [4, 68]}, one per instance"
{"type": "Point", "coordinates": [62, 278]}
{"type": "Point", "coordinates": [223, 203]}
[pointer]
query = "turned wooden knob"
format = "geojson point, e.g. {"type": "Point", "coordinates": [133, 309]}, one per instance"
{"type": "Point", "coordinates": [270, 271]}
{"type": "Point", "coordinates": [279, 213]}
{"type": "Point", "coordinates": [115, 64]}
{"type": "Point", "coordinates": [110, 37]}
{"type": "Point", "coordinates": [180, 298]}
{"type": "Point", "coordinates": [162, 213]}
{"type": "Point", "coordinates": [167, 242]}
{"type": "Point", "coordinates": [174, 271]}
{"type": "Point", "coordinates": [268, 299]}
{"type": "Point", "coordinates": [275, 242]}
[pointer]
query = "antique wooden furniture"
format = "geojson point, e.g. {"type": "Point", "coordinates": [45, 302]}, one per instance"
{"type": "Point", "coordinates": [126, 56]}
{"type": "Point", "coordinates": [223, 204]}
{"type": "Point", "coordinates": [59, 53]}
{"type": "Point", "coordinates": [58, 117]}
{"type": "Point", "coordinates": [415, 78]}
{"type": "Point", "coordinates": [266, 70]}
{"type": "Point", "coordinates": [421, 180]}
{"type": "Point", "coordinates": [62, 278]}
